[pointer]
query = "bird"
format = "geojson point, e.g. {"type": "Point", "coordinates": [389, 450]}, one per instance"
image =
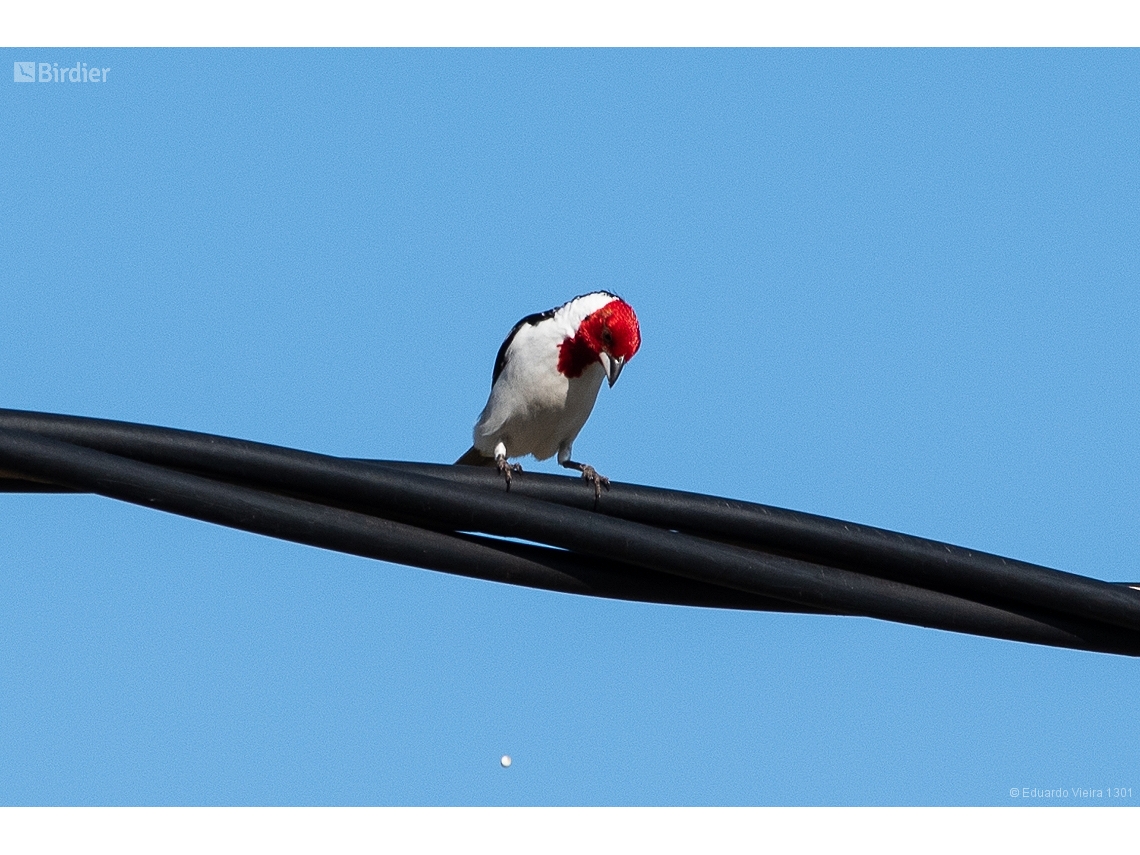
{"type": "Point", "coordinates": [546, 378]}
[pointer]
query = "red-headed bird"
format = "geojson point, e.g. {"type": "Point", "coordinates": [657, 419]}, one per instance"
{"type": "Point", "coordinates": [546, 378]}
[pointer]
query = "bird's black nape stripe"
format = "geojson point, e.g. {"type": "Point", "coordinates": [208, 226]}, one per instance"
{"type": "Point", "coordinates": [501, 357]}
{"type": "Point", "coordinates": [644, 543]}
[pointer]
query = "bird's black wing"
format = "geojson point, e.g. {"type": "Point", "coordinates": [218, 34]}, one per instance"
{"type": "Point", "coordinates": [501, 359]}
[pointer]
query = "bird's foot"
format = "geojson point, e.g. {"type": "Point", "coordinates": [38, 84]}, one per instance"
{"type": "Point", "coordinates": [591, 476]}
{"type": "Point", "coordinates": [506, 469]}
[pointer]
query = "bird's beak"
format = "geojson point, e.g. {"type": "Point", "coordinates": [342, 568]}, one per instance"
{"type": "Point", "coordinates": [612, 366]}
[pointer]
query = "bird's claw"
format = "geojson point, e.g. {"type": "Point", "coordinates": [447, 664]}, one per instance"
{"type": "Point", "coordinates": [590, 475]}
{"type": "Point", "coordinates": [505, 469]}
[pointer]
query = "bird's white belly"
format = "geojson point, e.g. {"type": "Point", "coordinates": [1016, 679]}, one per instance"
{"type": "Point", "coordinates": [540, 422]}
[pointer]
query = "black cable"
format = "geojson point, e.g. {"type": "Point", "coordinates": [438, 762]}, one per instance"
{"type": "Point", "coordinates": [433, 503]}
{"type": "Point", "coordinates": [836, 543]}
{"type": "Point", "coordinates": [817, 539]}
{"type": "Point", "coordinates": [83, 469]}
{"type": "Point", "coordinates": [472, 510]}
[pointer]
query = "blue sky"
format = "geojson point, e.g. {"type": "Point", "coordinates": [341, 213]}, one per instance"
{"type": "Point", "coordinates": [895, 287]}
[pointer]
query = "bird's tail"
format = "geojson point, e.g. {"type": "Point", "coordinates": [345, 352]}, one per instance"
{"type": "Point", "coordinates": [474, 457]}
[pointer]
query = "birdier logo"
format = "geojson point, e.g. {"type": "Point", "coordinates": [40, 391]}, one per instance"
{"type": "Point", "coordinates": [53, 72]}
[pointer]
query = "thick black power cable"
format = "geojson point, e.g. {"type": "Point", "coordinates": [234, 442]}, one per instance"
{"type": "Point", "coordinates": [817, 539]}
{"type": "Point", "coordinates": [474, 510]}
{"type": "Point", "coordinates": [837, 543]}
{"type": "Point", "coordinates": [314, 524]}
{"type": "Point", "coordinates": [429, 501]}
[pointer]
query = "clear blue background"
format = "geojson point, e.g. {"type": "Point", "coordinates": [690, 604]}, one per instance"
{"type": "Point", "coordinates": [896, 287]}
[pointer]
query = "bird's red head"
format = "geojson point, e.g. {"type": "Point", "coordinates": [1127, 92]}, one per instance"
{"type": "Point", "coordinates": [610, 335]}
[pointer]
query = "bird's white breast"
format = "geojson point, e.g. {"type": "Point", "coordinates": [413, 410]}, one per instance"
{"type": "Point", "coordinates": [533, 407]}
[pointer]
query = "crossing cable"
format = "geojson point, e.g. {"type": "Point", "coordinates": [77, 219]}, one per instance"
{"type": "Point", "coordinates": [640, 543]}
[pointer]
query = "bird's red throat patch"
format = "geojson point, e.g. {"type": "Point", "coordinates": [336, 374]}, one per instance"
{"type": "Point", "coordinates": [612, 328]}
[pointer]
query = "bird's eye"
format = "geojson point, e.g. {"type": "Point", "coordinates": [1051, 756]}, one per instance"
{"type": "Point", "coordinates": [607, 336]}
